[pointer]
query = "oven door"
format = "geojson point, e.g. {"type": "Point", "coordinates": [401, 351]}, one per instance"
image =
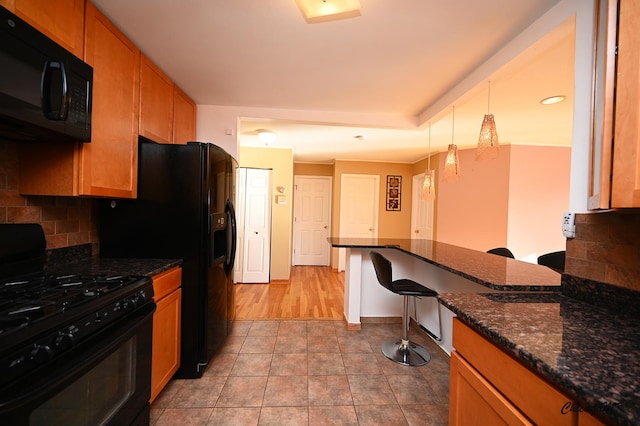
{"type": "Point", "coordinates": [104, 381]}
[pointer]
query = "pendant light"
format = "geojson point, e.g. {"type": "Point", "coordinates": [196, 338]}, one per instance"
{"type": "Point", "coordinates": [451, 162]}
{"type": "Point", "coordinates": [429, 184]}
{"type": "Point", "coordinates": [488, 146]}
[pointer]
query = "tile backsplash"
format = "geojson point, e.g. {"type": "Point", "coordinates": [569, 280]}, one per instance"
{"type": "Point", "coordinates": [67, 221]}
{"type": "Point", "coordinates": [606, 248]}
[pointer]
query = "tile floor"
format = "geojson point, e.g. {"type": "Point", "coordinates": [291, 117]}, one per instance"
{"type": "Point", "coordinates": [310, 372]}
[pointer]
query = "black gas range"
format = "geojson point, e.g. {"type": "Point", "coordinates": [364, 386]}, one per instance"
{"type": "Point", "coordinates": [65, 335]}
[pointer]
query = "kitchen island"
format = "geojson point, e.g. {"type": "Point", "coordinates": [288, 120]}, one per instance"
{"type": "Point", "coordinates": [564, 329]}
{"type": "Point", "coordinates": [442, 267]}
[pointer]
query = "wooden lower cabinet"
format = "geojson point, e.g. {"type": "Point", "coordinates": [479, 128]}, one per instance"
{"type": "Point", "coordinates": [165, 358]}
{"type": "Point", "coordinates": [474, 401]}
{"type": "Point", "coordinates": [488, 386]}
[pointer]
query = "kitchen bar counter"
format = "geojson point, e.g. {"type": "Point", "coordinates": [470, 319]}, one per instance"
{"type": "Point", "coordinates": [490, 270]}
{"type": "Point", "coordinates": [588, 352]}
{"type": "Point", "coordinates": [444, 268]}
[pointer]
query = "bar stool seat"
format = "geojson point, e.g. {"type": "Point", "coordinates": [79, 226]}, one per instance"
{"type": "Point", "coordinates": [402, 351]}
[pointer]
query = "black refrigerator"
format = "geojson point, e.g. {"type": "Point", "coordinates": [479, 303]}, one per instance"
{"type": "Point", "coordinates": [184, 210]}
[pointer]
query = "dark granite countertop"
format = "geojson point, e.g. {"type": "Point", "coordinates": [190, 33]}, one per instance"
{"type": "Point", "coordinates": [116, 266]}
{"type": "Point", "coordinates": [489, 270]}
{"type": "Point", "coordinates": [589, 352]}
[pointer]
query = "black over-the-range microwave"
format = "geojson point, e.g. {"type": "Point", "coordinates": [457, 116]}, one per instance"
{"type": "Point", "coordinates": [45, 91]}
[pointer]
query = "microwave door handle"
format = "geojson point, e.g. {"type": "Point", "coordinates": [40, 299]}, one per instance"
{"type": "Point", "coordinates": [45, 88]}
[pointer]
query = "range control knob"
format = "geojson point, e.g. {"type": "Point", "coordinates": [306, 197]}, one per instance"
{"type": "Point", "coordinates": [41, 354]}
{"type": "Point", "coordinates": [127, 305]}
{"type": "Point", "coordinates": [64, 341]}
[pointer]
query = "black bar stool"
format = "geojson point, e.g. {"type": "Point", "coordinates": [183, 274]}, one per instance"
{"type": "Point", "coordinates": [402, 351]}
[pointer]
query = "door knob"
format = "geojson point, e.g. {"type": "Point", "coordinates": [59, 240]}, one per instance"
{"type": "Point", "coordinates": [256, 232]}
{"type": "Point", "coordinates": [370, 229]}
{"type": "Point", "coordinates": [417, 231]}
{"type": "Point", "coordinates": [325, 227]}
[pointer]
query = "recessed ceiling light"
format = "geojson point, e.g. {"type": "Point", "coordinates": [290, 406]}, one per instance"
{"type": "Point", "coordinates": [552, 100]}
{"type": "Point", "coordinates": [361, 137]}
{"type": "Point", "coordinates": [328, 10]}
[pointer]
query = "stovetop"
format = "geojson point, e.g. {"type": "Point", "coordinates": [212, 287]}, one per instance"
{"type": "Point", "coordinates": [32, 298]}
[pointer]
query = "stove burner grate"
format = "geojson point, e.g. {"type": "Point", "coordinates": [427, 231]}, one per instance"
{"type": "Point", "coordinates": [31, 299]}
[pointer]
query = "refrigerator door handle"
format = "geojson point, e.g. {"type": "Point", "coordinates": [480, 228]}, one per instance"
{"type": "Point", "coordinates": [231, 256]}
{"type": "Point", "coordinates": [212, 253]}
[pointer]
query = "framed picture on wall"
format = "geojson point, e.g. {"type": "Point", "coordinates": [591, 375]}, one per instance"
{"type": "Point", "coordinates": [394, 193]}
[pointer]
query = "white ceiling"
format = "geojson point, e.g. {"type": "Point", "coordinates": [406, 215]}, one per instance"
{"type": "Point", "coordinates": [396, 60]}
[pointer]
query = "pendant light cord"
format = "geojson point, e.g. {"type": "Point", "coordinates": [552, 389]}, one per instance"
{"type": "Point", "coordinates": [489, 99]}
{"type": "Point", "coordinates": [429, 156]}
{"type": "Point", "coordinates": [453, 119]}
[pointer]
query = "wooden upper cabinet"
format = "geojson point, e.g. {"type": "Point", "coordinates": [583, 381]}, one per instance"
{"type": "Point", "coordinates": [61, 20]}
{"type": "Point", "coordinates": [9, 5]}
{"type": "Point", "coordinates": [184, 118]}
{"type": "Point", "coordinates": [625, 184]}
{"type": "Point", "coordinates": [109, 162]}
{"type": "Point", "coordinates": [106, 166]}
{"type": "Point", "coordinates": [615, 149]}
{"type": "Point", "coordinates": [156, 103]}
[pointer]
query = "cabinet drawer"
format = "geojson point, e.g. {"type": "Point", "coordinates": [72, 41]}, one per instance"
{"type": "Point", "coordinates": [534, 397]}
{"type": "Point", "coordinates": [165, 282]}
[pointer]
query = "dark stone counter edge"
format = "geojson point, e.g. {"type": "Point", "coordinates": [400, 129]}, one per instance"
{"type": "Point", "coordinates": [588, 400]}
{"type": "Point", "coordinates": [78, 259]}
{"type": "Point", "coordinates": [493, 286]}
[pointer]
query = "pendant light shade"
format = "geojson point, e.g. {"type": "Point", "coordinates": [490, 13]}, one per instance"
{"type": "Point", "coordinates": [429, 185]}
{"type": "Point", "coordinates": [451, 162]}
{"type": "Point", "coordinates": [488, 146]}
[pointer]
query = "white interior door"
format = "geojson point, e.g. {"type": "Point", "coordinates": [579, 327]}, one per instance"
{"type": "Point", "coordinates": [241, 180]}
{"type": "Point", "coordinates": [257, 226]}
{"type": "Point", "coordinates": [421, 212]}
{"type": "Point", "coordinates": [359, 204]}
{"type": "Point", "coordinates": [312, 214]}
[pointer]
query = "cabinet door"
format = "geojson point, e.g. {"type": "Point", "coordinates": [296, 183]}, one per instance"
{"type": "Point", "coordinates": [533, 396]}
{"type": "Point", "coordinates": [109, 162]}
{"type": "Point", "coordinates": [472, 398]}
{"type": "Point", "coordinates": [165, 355]}
{"type": "Point", "coordinates": [625, 187]}
{"type": "Point", "coordinates": [9, 5]}
{"type": "Point", "coordinates": [61, 20]}
{"type": "Point", "coordinates": [184, 118]}
{"type": "Point", "coordinates": [156, 103]}
{"type": "Point", "coordinates": [604, 87]}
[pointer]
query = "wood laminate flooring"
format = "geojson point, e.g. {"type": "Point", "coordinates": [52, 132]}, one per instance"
{"type": "Point", "coordinates": [313, 292]}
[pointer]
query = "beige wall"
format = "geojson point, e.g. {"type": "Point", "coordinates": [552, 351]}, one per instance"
{"type": "Point", "coordinates": [309, 169]}
{"type": "Point", "coordinates": [472, 212]}
{"type": "Point", "coordinates": [514, 201]}
{"type": "Point", "coordinates": [391, 224]}
{"type": "Point", "coordinates": [281, 162]}
{"type": "Point", "coordinates": [538, 196]}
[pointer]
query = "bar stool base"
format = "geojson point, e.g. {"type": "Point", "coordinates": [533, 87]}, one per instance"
{"type": "Point", "coordinates": [406, 354]}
